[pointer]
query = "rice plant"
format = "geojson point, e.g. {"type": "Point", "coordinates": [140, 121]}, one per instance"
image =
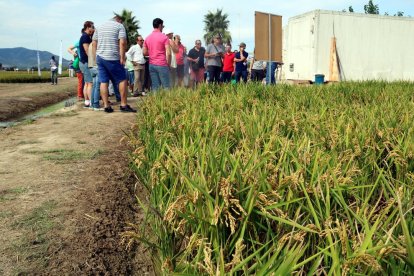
{"type": "Point", "coordinates": [25, 77]}
{"type": "Point", "coordinates": [254, 180]}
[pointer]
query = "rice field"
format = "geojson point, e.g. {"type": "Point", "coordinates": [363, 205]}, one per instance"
{"type": "Point", "coordinates": [281, 180]}
{"type": "Point", "coordinates": [27, 77]}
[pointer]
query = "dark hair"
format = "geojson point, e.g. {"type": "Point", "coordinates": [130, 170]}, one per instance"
{"type": "Point", "coordinates": [157, 22]}
{"type": "Point", "coordinates": [86, 25]}
{"type": "Point", "coordinates": [53, 57]}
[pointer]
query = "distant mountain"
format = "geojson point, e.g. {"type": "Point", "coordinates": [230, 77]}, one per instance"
{"type": "Point", "coordinates": [23, 58]}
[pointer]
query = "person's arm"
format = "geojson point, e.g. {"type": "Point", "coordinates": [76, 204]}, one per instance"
{"type": "Point", "coordinates": [174, 46]}
{"type": "Point", "coordinates": [207, 54]}
{"type": "Point", "coordinates": [238, 59]}
{"type": "Point", "coordinates": [129, 55]}
{"type": "Point", "coordinates": [122, 47]}
{"type": "Point", "coordinates": [251, 64]}
{"type": "Point", "coordinates": [85, 47]}
{"type": "Point", "coordinates": [94, 47]}
{"type": "Point", "coordinates": [168, 51]}
{"type": "Point", "coordinates": [190, 57]}
{"type": "Point", "coordinates": [71, 50]}
{"type": "Point", "coordinates": [145, 51]}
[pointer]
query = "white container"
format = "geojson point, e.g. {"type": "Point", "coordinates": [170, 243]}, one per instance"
{"type": "Point", "coordinates": [369, 47]}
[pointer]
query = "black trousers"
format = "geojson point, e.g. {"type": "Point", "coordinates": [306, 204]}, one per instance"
{"type": "Point", "coordinates": [257, 75]}
{"type": "Point", "coordinates": [226, 76]}
{"type": "Point", "coordinates": [214, 73]}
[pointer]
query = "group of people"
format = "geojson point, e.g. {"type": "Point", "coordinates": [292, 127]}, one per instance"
{"type": "Point", "coordinates": [101, 54]}
{"type": "Point", "coordinates": [216, 63]}
{"type": "Point", "coordinates": [158, 61]}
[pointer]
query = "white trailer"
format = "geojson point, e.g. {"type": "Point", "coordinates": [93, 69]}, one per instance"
{"type": "Point", "coordinates": [369, 47]}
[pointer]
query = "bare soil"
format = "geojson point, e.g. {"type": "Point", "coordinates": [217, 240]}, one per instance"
{"type": "Point", "coordinates": [19, 99]}
{"type": "Point", "coordinates": [66, 194]}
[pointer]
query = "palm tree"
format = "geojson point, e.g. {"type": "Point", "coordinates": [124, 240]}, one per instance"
{"type": "Point", "coordinates": [216, 23]}
{"type": "Point", "coordinates": [131, 26]}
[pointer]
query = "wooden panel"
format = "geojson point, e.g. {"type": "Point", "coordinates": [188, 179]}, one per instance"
{"type": "Point", "coordinates": [261, 36]}
{"type": "Point", "coordinates": [333, 62]}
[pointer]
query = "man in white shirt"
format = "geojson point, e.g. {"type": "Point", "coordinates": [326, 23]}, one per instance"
{"type": "Point", "coordinates": [136, 56]}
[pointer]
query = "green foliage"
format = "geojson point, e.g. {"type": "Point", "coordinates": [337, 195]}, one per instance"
{"type": "Point", "coordinates": [216, 23]}
{"type": "Point", "coordinates": [131, 26]}
{"type": "Point", "coordinates": [262, 180]}
{"type": "Point", "coordinates": [24, 77]}
{"type": "Point", "coordinates": [370, 8]}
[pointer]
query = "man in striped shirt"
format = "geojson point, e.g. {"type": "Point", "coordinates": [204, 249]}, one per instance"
{"type": "Point", "coordinates": [109, 43]}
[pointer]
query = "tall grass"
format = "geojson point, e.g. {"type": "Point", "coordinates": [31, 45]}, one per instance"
{"type": "Point", "coordinates": [25, 77]}
{"type": "Point", "coordinates": [254, 180]}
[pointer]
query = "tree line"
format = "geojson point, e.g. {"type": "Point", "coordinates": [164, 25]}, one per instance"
{"type": "Point", "coordinates": [371, 8]}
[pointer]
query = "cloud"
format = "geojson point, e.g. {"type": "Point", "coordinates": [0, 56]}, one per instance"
{"type": "Point", "coordinates": [27, 23]}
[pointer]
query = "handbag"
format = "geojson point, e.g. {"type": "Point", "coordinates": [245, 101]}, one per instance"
{"type": "Point", "coordinates": [195, 66]}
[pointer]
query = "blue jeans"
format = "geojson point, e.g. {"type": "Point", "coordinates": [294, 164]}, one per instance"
{"type": "Point", "coordinates": [270, 74]}
{"type": "Point", "coordinates": [95, 88]}
{"type": "Point", "coordinates": [241, 74]}
{"type": "Point", "coordinates": [54, 76]}
{"type": "Point", "coordinates": [160, 76]}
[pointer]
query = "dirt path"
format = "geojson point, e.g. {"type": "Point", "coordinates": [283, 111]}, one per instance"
{"type": "Point", "coordinates": [65, 196]}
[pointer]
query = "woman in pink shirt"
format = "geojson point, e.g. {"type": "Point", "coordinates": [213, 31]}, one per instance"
{"type": "Point", "coordinates": [179, 56]}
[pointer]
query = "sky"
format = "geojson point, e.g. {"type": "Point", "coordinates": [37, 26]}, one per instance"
{"type": "Point", "coordinates": [44, 24]}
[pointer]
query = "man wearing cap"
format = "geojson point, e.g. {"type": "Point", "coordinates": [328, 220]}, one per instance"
{"type": "Point", "coordinates": [241, 63]}
{"type": "Point", "coordinates": [157, 47]}
{"type": "Point", "coordinates": [214, 54]}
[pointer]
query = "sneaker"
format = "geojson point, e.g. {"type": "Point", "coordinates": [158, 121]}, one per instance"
{"type": "Point", "coordinates": [127, 108]}
{"type": "Point", "coordinates": [98, 109]}
{"type": "Point", "coordinates": [136, 94]}
{"type": "Point", "coordinates": [143, 94]}
{"type": "Point", "coordinates": [108, 109]}
{"type": "Point", "coordinates": [86, 106]}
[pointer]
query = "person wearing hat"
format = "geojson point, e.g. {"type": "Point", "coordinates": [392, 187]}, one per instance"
{"type": "Point", "coordinates": [172, 62]}
{"type": "Point", "coordinates": [241, 63]}
{"type": "Point", "coordinates": [214, 54]}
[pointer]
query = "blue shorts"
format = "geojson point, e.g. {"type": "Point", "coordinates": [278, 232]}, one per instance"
{"type": "Point", "coordinates": [110, 70]}
{"type": "Point", "coordinates": [87, 76]}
